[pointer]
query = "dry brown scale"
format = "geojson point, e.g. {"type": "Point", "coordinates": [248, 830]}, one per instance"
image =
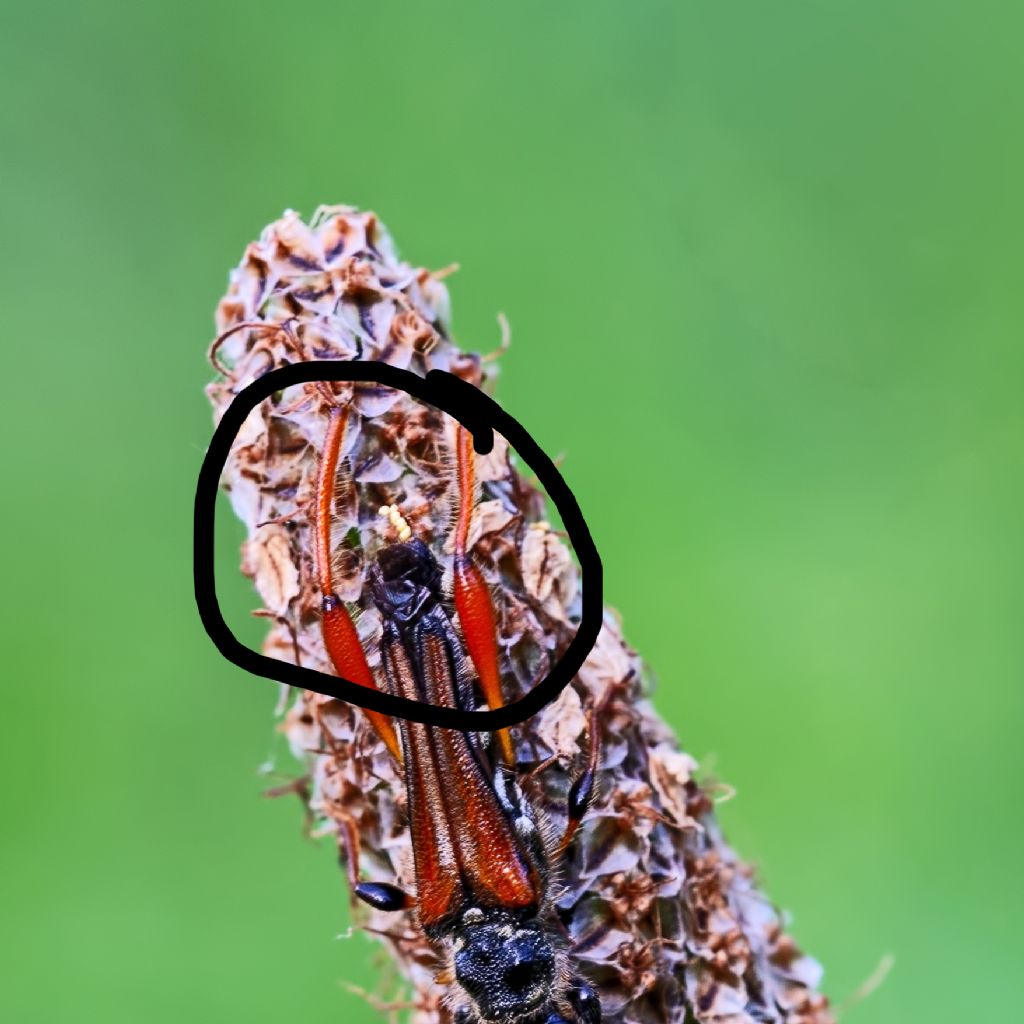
{"type": "Point", "coordinates": [665, 920]}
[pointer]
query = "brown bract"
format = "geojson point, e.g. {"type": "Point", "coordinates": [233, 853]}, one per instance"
{"type": "Point", "coordinates": [661, 915]}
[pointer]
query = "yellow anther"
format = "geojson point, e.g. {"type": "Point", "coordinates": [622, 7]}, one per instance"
{"type": "Point", "coordinates": [396, 520]}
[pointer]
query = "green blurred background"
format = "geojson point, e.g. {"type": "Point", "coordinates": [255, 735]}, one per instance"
{"type": "Point", "coordinates": [801, 224]}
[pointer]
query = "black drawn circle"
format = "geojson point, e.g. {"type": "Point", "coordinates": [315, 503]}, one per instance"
{"type": "Point", "coordinates": [479, 414]}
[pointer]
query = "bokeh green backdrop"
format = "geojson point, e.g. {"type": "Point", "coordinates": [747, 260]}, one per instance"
{"type": "Point", "coordinates": [799, 222]}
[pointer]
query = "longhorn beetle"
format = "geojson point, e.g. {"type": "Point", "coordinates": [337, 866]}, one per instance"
{"type": "Point", "coordinates": [483, 858]}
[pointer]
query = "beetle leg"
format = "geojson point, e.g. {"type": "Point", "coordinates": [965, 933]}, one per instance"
{"type": "Point", "coordinates": [380, 895]}
{"type": "Point", "coordinates": [581, 792]}
{"type": "Point", "coordinates": [472, 598]}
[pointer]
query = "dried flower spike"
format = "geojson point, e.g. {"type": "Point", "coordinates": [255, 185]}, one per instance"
{"type": "Point", "coordinates": [658, 913]}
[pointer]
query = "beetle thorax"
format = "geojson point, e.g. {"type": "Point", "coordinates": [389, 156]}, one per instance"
{"type": "Point", "coordinates": [506, 966]}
